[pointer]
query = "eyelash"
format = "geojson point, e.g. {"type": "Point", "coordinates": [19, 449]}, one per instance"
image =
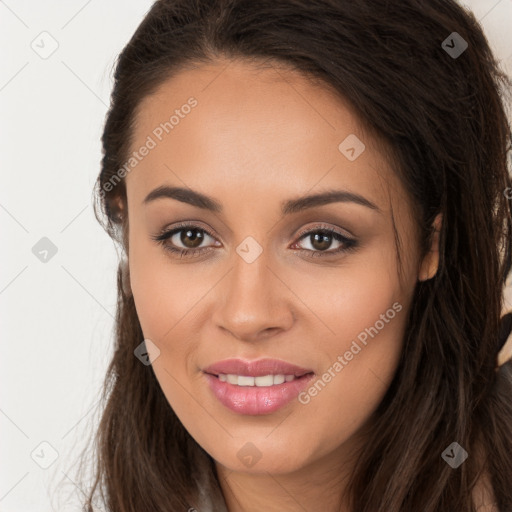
{"type": "Point", "coordinates": [349, 244]}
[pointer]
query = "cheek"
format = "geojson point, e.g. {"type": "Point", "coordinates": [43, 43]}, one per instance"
{"type": "Point", "coordinates": [366, 312]}
{"type": "Point", "coordinates": [155, 301]}
{"type": "Point", "coordinates": [164, 291]}
{"type": "Point", "coordinates": [352, 298]}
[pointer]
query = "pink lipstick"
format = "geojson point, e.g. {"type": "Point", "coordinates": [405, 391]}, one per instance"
{"type": "Point", "coordinates": [256, 387]}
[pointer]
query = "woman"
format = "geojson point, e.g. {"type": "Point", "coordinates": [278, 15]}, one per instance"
{"type": "Point", "coordinates": [311, 199]}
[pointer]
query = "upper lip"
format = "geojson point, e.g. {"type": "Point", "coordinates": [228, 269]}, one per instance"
{"type": "Point", "coordinates": [256, 368]}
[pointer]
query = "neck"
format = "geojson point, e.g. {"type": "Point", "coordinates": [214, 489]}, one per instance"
{"type": "Point", "coordinates": [321, 485]}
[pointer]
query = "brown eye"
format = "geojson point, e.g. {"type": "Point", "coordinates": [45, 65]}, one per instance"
{"type": "Point", "coordinates": [184, 239]}
{"type": "Point", "coordinates": [191, 238]}
{"type": "Point", "coordinates": [321, 241]}
{"type": "Point", "coordinates": [322, 238]}
{"type": "Point", "coordinates": [187, 240]}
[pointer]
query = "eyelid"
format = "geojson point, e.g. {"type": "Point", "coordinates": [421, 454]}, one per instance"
{"type": "Point", "coordinates": [197, 224]}
{"type": "Point", "coordinates": [184, 225]}
{"type": "Point", "coordinates": [322, 226]}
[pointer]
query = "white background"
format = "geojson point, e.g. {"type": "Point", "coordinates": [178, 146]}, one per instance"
{"type": "Point", "coordinates": [57, 317]}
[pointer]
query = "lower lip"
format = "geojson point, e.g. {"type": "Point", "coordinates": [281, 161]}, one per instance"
{"type": "Point", "coordinates": [256, 400]}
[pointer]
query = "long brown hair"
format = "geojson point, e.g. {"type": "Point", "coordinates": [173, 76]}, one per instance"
{"type": "Point", "coordinates": [443, 119]}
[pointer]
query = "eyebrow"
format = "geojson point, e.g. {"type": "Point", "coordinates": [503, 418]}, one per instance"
{"type": "Point", "coordinates": [194, 198]}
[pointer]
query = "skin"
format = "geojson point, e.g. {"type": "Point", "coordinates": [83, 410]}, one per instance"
{"type": "Point", "coordinates": [258, 137]}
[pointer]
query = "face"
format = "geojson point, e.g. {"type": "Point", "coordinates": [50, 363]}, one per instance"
{"type": "Point", "coordinates": [312, 286]}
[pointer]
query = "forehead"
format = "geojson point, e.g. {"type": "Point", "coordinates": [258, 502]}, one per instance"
{"type": "Point", "coordinates": [232, 126]}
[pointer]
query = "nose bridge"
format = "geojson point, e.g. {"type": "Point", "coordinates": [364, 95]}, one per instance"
{"type": "Point", "coordinates": [253, 299]}
{"type": "Point", "coordinates": [250, 275]}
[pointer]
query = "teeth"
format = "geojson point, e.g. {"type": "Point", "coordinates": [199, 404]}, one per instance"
{"type": "Point", "coordinates": [264, 380]}
{"type": "Point", "coordinates": [279, 379]}
{"type": "Point", "coordinates": [244, 380]}
{"type": "Point", "coordinates": [232, 379]}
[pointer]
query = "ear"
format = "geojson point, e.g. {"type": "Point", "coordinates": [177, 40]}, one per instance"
{"type": "Point", "coordinates": [125, 277]}
{"type": "Point", "coordinates": [430, 263]}
{"type": "Point", "coordinates": [118, 207]}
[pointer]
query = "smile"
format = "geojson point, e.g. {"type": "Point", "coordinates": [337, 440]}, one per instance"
{"type": "Point", "coordinates": [251, 399]}
{"type": "Point", "coordinates": [265, 380]}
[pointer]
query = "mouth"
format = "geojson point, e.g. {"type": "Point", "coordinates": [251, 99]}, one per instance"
{"type": "Point", "coordinates": [260, 381]}
{"type": "Point", "coordinates": [247, 398]}
{"type": "Point", "coordinates": [241, 368]}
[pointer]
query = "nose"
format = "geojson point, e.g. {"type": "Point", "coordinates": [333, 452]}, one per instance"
{"type": "Point", "coordinates": [253, 301]}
